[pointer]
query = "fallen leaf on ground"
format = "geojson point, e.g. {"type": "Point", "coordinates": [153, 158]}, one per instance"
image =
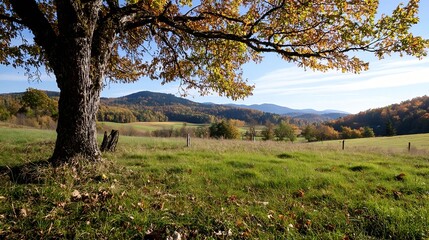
{"type": "Point", "coordinates": [299, 194]}
{"type": "Point", "coordinates": [76, 195]}
{"type": "Point", "coordinates": [23, 212]}
{"type": "Point", "coordinates": [400, 177]}
{"type": "Point", "coordinates": [61, 204]}
{"type": "Point", "coordinates": [397, 194]}
{"type": "Point", "coordinates": [263, 203]}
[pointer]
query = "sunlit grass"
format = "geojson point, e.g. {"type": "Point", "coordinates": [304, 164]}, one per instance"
{"type": "Point", "coordinates": [419, 143]}
{"type": "Point", "coordinates": [153, 187]}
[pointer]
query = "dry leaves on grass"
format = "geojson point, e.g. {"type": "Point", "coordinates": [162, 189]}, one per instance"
{"type": "Point", "coordinates": [400, 177]}
{"type": "Point", "coordinates": [223, 233]}
{"type": "Point", "coordinates": [76, 196]}
{"type": "Point", "coordinates": [24, 212]}
{"type": "Point", "coordinates": [299, 194]}
{"type": "Point", "coordinates": [100, 196]}
{"type": "Point", "coordinates": [397, 194]}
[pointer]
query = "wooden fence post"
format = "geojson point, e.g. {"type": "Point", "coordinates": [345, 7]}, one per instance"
{"type": "Point", "coordinates": [188, 140]}
{"type": "Point", "coordinates": [109, 142]}
{"type": "Point", "coordinates": [343, 144]}
{"type": "Point", "coordinates": [409, 146]}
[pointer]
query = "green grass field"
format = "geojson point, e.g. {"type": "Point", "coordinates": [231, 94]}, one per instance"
{"type": "Point", "coordinates": [419, 143]}
{"type": "Point", "coordinates": [156, 188]}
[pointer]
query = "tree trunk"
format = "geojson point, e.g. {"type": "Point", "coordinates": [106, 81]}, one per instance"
{"type": "Point", "coordinates": [76, 130]}
{"type": "Point", "coordinates": [77, 48]}
{"type": "Point", "coordinates": [80, 86]}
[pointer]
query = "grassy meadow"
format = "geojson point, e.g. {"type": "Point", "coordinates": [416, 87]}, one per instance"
{"type": "Point", "coordinates": [157, 188]}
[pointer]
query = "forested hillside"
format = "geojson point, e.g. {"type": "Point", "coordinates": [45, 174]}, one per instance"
{"type": "Point", "coordinates": [407, 117]}
{"type": "Point", "coordinates": [141, 106]}
{"type": "Point", "coordinates": [150, 106]}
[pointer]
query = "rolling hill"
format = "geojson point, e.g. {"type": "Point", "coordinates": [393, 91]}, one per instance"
{"type": "Point", "coordinates": [180, 109]}
{"type": "Point", "coordinates": [407, 117]}
{"type": "Point", "coordinates": [172, 108]}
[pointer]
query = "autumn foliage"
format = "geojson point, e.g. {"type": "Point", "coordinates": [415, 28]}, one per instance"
{"type": "Point", "coordinates": [407, 117]}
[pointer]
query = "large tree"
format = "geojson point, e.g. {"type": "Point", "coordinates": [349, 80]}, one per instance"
{"type": "Point", "coordinates": [202, 44]}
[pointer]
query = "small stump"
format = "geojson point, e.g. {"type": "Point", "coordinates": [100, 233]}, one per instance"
{"type": "Point", "coordinates": [109, 142]}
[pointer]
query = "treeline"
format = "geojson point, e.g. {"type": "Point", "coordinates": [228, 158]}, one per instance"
{"type": "Point", "coordinates": [322, 132]}
{"type": "Point", "coordinates": [311, 132]}
{"type": "Point", "coordinates": [198, 114]}
{"type": "Point", "coordinates": [282, 131]}
{"type": "Point", "coordinates": [408, 117]}
{"type": "Point", "coordinates": [227, 129]}
{"type": "Point", "coordinates": [33, 108]}
{"type": "Point", "coordinates": [171, 108]}
{"type": "Point", "coordinates": [125, 115]}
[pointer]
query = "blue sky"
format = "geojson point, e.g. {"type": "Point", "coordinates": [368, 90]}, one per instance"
{"type": "Point", "coordinates": [388, 81]}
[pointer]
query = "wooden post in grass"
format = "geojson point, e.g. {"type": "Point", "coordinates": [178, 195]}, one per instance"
{"type": "Point", "coordinates": [343, 144]}
{"type": "Point", "coordinates": [109, 142]}
{"type": "Point", "coordinates": [409, 146]}
{"type": "Point", "coordinates": [188, 140]}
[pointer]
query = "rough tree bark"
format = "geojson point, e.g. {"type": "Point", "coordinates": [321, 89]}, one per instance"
{"type": "Point", "coordinates": [82, 47]}
{"type": "Point", "coordinates": [76, 130]}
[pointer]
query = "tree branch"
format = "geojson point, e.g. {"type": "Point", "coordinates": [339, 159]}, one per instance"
{"type": "Point", "coordinates": [250, 32]}
{"type": "Point", "coordinates": [255, 44]}
{"type": "Point", "coordinates": [232, 19]}
{"type": "Point", "coordinates": [113, 4]}
{"type": "Point", "coordinates": [10, 18]}
{"type": "Point", "coordinates": [34, 19]}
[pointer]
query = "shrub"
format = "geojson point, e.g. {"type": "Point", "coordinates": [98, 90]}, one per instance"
{"type": "Point", "coordinates": [224, 129]}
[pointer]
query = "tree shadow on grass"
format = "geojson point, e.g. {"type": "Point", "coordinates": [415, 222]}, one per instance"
{"type": "Point", "coordinates": [27, 173]}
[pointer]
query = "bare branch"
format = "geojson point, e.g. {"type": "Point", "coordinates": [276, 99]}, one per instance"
{"type": "Point", "coordinates": [34, 19]}
{"type": "Point", "coordinates": [10, 18]}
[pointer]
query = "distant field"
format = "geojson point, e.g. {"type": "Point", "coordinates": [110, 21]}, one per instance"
{"type": "Point", "coordinates": [143, 128]}
{"type": "Point", "coordinates": [156, 188]}
{"type": "Point", "coordinates": [419, 143]}
{"type": "Point", "coordinates": [150, 126]}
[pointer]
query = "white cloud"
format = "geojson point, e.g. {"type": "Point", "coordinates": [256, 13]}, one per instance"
{"type": "Point", "coordinates": [388, 74]}
{"type": "Point", "coordinates": [22, 77]}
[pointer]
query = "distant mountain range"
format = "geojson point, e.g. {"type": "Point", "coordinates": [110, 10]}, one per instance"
{"type": "Point", "coordinates": [161, 99]}
{"type": "Point", "coordinates": [309, 115]}
{"type": "Point", "coordinates": [272, 108]}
